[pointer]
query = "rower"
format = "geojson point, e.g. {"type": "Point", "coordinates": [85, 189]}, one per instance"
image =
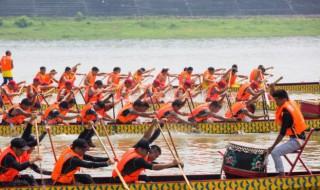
{"type": "Point", "coordinates": [249, 91]}
{"type": "Point", "coordinates": [185, 75]}
{"type": "Point", "coordinates": [163, 76]}
{"type": "Point", "coordinates": [130, 112]}
{"type": "Point", "coordinates": [66, 93]}
{"type": "Point", "coordinates": [154, 91]}
{"type": "Point", "coordinates": [95, 92]}
{"type": "Point", "coordinates": [203, 112]}
{"type": "Point", "coordinates": [289, 116]}
{"type": "Point", "coordinates": [57, 114]}
{"type": "Point", "coordinates": [139, 76]}
{"type": "Point", "coordinates": [41, 74]}
{"type": "Point", "coordinates": [91, 76]}
{"type": "Point", "coordinates": [137, 159]}
{"type": "Point", "coordinates": [32, 143]}
{"type": "Point", "coordinates": [171, 113]}
{"type": "Point", "coordinates": [231, 76]}
{"type": "Point", "coordinates": [11, 164]}
{"type": "Point", "coordinates": [243, 111]}
{"type": "Point", "coordinates": [33, 94]}
{"type": "Point", "coordinates": [188, 89]}
{"type": "Point", "coordinates": [114, 78]}
{"type": "Point", "coordinates": [68, 75]}
{"type": "Point", "coordinates": [124, 90]}
{"type": "Point", "coordinates": [258, 74]}
{"type": "Point", "coordinates": [17, 113]}
{"type": "Point", "coordinates": [49, 79]}
{"type": "Point", "coordinates": [6, 66]}
{"type": "Point", "coordinates": [70, 161]}
{"type": "Point", "coordinates": [89, 115]}
{"type": "Point", "coordinates": [208, 77]}
{"type": "Point", "coordinates": [9, 91]}
{"type": "Point", "coordinates": [217, 91]}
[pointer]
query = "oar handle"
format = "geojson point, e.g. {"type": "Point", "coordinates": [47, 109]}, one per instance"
{"type": "Point", "coordinates": [109, 141]}
{"type": "Point", "coordinates": [278, 80]}
{"type": "Point", "coordinates": [51, 143]}
{"type": "Point", "coordinates": [175, 157]}
{"type": "Point", "coordinates": [106, 151]}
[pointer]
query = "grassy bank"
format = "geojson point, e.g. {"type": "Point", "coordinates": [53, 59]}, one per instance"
{"type": "Point", "coordinates": [155, 28]}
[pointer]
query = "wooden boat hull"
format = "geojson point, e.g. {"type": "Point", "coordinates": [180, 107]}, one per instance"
{"type": "Point", "coordinates": [310, 109]}
{"type": "Point", "coordinates": [207, 128]}
{"type": "Point", "coordinates": [266, 183]}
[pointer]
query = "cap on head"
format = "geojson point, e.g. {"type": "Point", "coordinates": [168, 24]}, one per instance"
{"type": "Point", "coordinates": [19, 143]}
{"type": "Point", "coordinates": [156, 83]}
{"type": "Point", "coordinates": [13, 83]}
{"type": "Point", "coordinates": [80, 143]}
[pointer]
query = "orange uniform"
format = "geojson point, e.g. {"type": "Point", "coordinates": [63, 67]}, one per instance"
{"type": "Point", "coordinates": [92, 99]}
{"type": "Point", "coordinates": [212, 94]}
{"type": "Point", "coordinates": [242, 94]}
{"type": "Point", "coordinates": [67, 178]}
{"type": "Point", "coordinates": [207, 76]}
{"type": "Point", "coordinates": [256, 75]}
{"type": "Point", "coordinates": [9, 174]}
{"type": "Point", "coordinates": [114, 79]}
{"type": "Point", "coordinates": [13, 119]}
{"type": "Point", "coordinates": [85, 118]}
{"type": "Point", "coordinates": [91, 78]}
{"type": "Point", "coordinates": [6, 63]}
{"type": "Point", "coordinates": [71, 77]}
{"type": "Point", "coordinates": [236, 107]}
{"type": "Point", "coordinates": [184, 75]}
{"type": "Point", "coordinates": [126, 157]}
{"type": "Point", "coordinates": [5, 98]}
{"type": "Point", "coordinates": [162, 78]}
{"type": "Point", "coordinates": [299, 124]}
{"type": "Point", "coordinates": [196, 111]}
{"type": "Point", "coordinates": [125, 116]}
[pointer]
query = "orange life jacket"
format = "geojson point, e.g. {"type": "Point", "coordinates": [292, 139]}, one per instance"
{"type": "Point", "coordinates": [184, 75]}
{"type": "Point", "coordinates": [162, 111]}
{"type": "Point", "coordinates": [25, 157]}
{"type": "Point", "coordinates": [41, 77]}
{"type": "Point", "coordinates": [91, 78]}
{"type": "Point", "coordinates": [6, 63]}
{"type": "Point", "coordinates": [34, 90]}
{"type": "Point", "coordinates": [52, 107]}
{"type": "Point", "coordinates": [137, 78]}
{"type": "Point", "coordinates": [114, 79]}
{"type": "Point", "coordinates": [71, 77]}
{"type": "Point", "coordinates": [233, 79]}
{"type": "Point", "coordinates": [162, 78]}
{"type": "Point", "coordinates": [207, 76]}
{"type": "Point", "coordinates": [212, 94]}
{"type": "Point", "coordinates": [256, 75]}
{"type": "Point", "coordinates": [17, 119]}
{"type": "Point", "coordinates": [5, 97]}
{"type": "Point", "coordinates": [47, 79]}
{"type": "Point", "coordinates": [126, 157]}
{"type": "Point", "coordinates": [67, 178]}
{"type": "Point", "coordinates": [128, 118]}
{"type": "Point", "coordinates": [83, 114]}
{"type": "Point", "coordinates": [179, 92]}
{"type": "Point", "coordinates": [197, 110]}
{"type": "Point", "coordinates": [10, 173]}
{"type": "Point", "coordinates": [242, 94]}
{"type": "Point", "coordinates": [91, 99]}
{"type": "Point", "coordinates": [299, 124]}
{"type": "Point", "coordinates": [236, 107]}
{"type": "Point", "coordinates": [62, 92]}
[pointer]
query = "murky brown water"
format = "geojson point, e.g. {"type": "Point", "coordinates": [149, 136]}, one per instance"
{"type": "Point", "coordinates": [198, 151]}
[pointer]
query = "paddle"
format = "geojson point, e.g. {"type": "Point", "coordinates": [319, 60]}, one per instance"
{"type": "Point", "coordinates": [51, 143]}
{"type": "Point", "coordinates": [189, 93]}
{"type": "Point", "coordinates": [113, 107]}
{"type": "Point", "coordinates": [38, 151]}
{"type": "Point", "coordinates": [175, 155]}
{"type": "Point", "coordinates": [115, 168]}
{"type": "Point", "coordinates": [265, 100]}
{"type": "Point", "coordinates": [176, 158]}
{"type": "Point", "coordinates": [77, 106]}
{"type": "Point", "coordinates": [108, 138]}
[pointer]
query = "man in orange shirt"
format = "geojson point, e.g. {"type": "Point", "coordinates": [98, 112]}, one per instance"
{"type": "Point", "coordinates": [6, 64]}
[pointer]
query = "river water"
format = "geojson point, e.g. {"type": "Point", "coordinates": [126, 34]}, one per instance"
{"type": "Point", "coordinates": [296, 58]}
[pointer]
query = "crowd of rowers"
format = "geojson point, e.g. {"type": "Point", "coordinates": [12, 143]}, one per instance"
{"type": "Point", "coordinates": [101, 97]}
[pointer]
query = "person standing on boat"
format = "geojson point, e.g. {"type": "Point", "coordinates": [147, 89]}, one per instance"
{"type": "Point", "coordinates": [6, 64]}
{"type": "Point", "coordinates": [11, 164]}
{"type": "Point", "coordinates": [70, 162]}
{"type": "Point", "coordinates": [289, 116]}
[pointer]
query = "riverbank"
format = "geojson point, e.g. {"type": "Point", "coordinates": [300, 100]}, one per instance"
{"type": "Point", "coordinates": [93, 28]}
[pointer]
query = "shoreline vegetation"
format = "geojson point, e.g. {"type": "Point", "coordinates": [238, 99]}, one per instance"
{"type": "Point", "coordinates": [113, 28]}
